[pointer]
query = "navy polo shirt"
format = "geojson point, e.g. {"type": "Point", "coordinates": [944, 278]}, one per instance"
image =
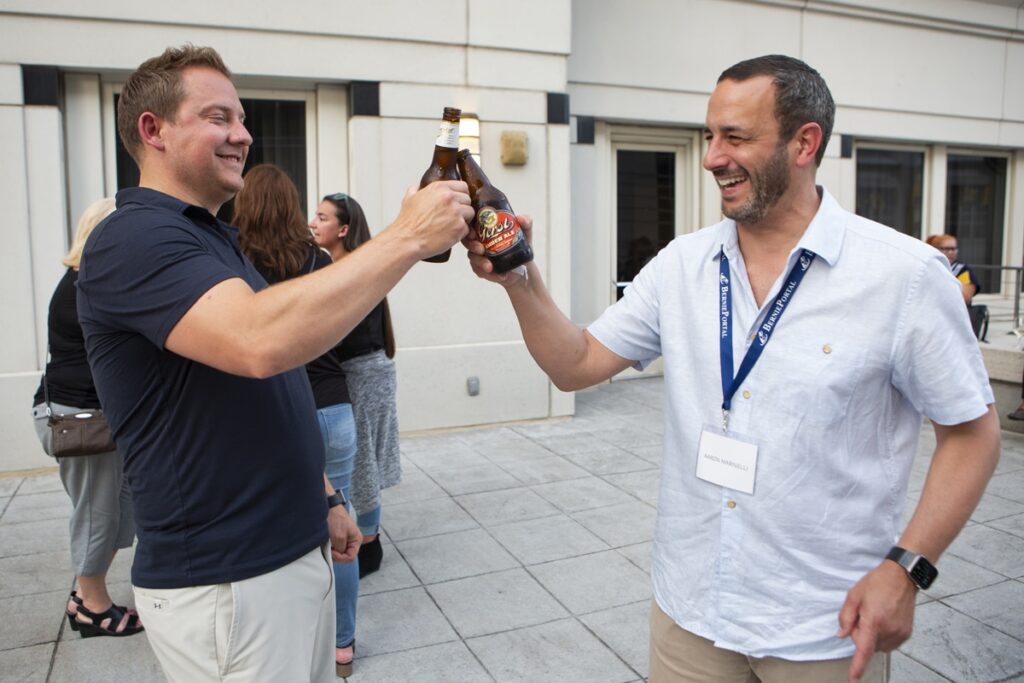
{"type": "Point", "coordinates": [226, 472]}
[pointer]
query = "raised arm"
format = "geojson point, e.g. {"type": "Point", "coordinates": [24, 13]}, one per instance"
{"type": "Point", "coordinates": [570, 356]}
{"type": "Point", "coordinates": [242, 332]}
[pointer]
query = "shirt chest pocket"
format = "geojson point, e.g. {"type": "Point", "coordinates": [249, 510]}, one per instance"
{"type": "Point", "coordinates": [812, 380]}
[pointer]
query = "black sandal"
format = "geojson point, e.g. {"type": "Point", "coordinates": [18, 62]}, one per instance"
{"type": "Point", "coordinates": [114, 613]}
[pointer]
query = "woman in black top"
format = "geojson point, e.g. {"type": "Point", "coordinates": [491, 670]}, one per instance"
{"type": "Point", "coordinates": [340, 226]}
{"type": "Point", "coordinates": [101, 513]}
{"type": "Point", "coordinates": [273, 234]}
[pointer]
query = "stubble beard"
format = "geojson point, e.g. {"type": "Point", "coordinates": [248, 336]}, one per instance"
{"type": "Point", "coordinates": [768, 183]}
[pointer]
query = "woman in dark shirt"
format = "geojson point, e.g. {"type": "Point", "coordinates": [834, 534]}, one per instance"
{"type": "Point", "coordinates": [101, 513]}
{"type": "Point", "coordinates": [340, 226]}
{"type": "Point", "coordinates": [273, 234]}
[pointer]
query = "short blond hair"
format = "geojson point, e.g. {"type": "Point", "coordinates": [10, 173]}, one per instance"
{"type": "Point", "coordinates": [91, 217]}
{"type": "Point", "coordinates": [155, 86]}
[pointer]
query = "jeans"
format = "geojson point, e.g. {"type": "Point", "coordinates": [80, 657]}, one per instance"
{"type": "Point", "coordinates": [369, 522]}
{"type": "Point", "coordinates": [338, 429]}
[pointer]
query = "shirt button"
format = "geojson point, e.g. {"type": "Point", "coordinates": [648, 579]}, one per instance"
{"type": "Point", "coordinates": [827, 348]}
{"type": "Point", "coordinates": [746, 393]}
{"type": "Point", "coordinates": [731, 504]}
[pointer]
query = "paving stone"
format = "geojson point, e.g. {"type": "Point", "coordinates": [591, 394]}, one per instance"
{"type": "Point", "coordinates": [652, 454]}
{"type": "Point", "coordinates": [903, 669]}
{"type": "Point", "coordinates": [502, 507]}
{"type": "Point", "coordinates": [1009, 486]}
{"type": "Point", "coordinates": [426, 518]}
{"type": "Point", "coordinates": [559, 652]}
{"type": "Point", "coordinates": [1000, 606]}
{"type": "Point", "coordinates": [29, 538]}
{"type": "Point", "coordinates": [992, 507]}
{"type": "Point", "coordinates": [542, 470]}
{"type": "Point", "coordinates": [1013, 525]}
{"type": "Point", "coordinates": [626, 630]}
{"type": "Point", "coordinates": [612, 461]}
{"type": "Point", "coordinates": [394, 572]}
{"type": "Point", "coordinates": [643, 485]}
{"type": "Point", "coordinates": [433, 664]}
{"type": "Point", "coordinates": [459, 456]}
{"type": "Point", "coordinates": [434, 443]}
{"type": "Point", "coordinates": [31, 619]}
{"type": "Point", "coordinates": [516, 451]}
{"type": "Point", "coordinates": [37, 573]}
{"type": "Point", "coordinates": [37, 507]}
{"type": "Point", "coordinates": [9, 485]}
{"type": "Point", "coordinates": [43, 483]}
{"type": "Point", "coordinates": [620, 525]}
{"type": "Point", "coordinates": [26, 664]}
{"type": "Point", "coordinates": [629, 436]}
{"type": "Point", "coordinates": [455, 555]}
{"type": "Point", "coordinates": [574, 443]}
{"type": "Point", "coordinates": [582, 494]}
{"type": "Point", "coordinates": [961, 648]}
{"type": "Point", "coordinates": [543, 540]}
{"type": "Point", "coordinates": [462, 480]}
{"type": "Point", "coordinates": [415, 486]}
{"type": "Point", "coordinates": [1010, 461]}
{"type": "Point", "coordinates": [990, 548]}
{"type": "Point", "coordinates": [501, 601]}
{"type": "Point", "coordinates": [957, 575]}
{"type": "Point", "coordinates": [639, 554]}
{"type": "Point", "coordinates": [400, 620]}
{"type": "Point", "coordinates": [101, 660]}
{"type": "Point", "coordinates": [594, 582]}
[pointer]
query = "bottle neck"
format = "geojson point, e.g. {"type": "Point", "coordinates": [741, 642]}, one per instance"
{"type": "Point", "coordinates": [449, 135]}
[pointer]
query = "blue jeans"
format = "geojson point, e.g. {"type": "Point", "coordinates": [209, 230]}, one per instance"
{"type": "Point", "coordinates": [369, 522]}
{"type": "Point", "coordinates": [338, 429]}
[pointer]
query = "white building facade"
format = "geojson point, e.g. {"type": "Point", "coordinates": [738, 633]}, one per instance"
{"type": "Point", "coordinates": [610, 94]}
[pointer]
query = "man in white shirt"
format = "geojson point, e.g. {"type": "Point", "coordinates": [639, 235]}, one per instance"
{"type": "Point", "coordinates": [778, 554]}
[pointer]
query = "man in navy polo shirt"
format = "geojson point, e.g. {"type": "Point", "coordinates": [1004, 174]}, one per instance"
{"type": "Point", "coordinates": [199, 367]}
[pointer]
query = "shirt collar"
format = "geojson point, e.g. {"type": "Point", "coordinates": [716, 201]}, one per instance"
{"type": "Point", "coordinates": [823, 237]}
{"type": "Point", "coordinates": [147, 196]}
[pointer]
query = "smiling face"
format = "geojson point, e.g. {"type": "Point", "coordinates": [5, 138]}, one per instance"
{"type": "Point", "coordinates": [751, 165]}
{"type": "Point", "coordinates": [206, 144]}
{"type": "Point", "coordinates": [327, 232]}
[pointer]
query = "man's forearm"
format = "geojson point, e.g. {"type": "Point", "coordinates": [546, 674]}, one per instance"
{"type": "Point", "coordinates": [569, 355]}
{"type": "Point", "coordinates": [965, 456]}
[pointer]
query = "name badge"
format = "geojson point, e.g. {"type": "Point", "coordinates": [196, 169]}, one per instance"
{"type": "Point", "coordinates": [726, 461]}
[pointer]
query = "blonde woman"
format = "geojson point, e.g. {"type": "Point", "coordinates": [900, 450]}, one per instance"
{"type": "Point", "coordinates": [101, 513]}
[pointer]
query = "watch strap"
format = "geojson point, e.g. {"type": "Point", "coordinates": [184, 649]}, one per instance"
{"type": "Point", "coordinates": [337, 498]}
{"type": "Point", "coordinates": [920, 570]}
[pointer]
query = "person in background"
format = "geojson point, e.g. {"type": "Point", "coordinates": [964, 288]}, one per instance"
{"type": "Point", "coordinates": [101, 512]}
{"type": "Point", "coordinates": [965, 276]}
{"type": "Point", "coordinates": [340, 226]}
{"type": "Point", "coordinates": [272, 233]}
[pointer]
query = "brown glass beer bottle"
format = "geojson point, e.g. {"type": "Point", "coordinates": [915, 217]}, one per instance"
{"type": "Point", "coordinates": [442, 166]}
{"type": "Point", "coordinates": [495, 222]}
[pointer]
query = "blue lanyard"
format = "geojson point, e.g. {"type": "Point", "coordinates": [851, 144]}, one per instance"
{"type": "Point", "coordinates": [729, 383]}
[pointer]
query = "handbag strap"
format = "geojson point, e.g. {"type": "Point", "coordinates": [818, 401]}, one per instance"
{"type": "Point", "coordinates": [312, 260]}
{"type": "Point", "coordinates": [46, 391]}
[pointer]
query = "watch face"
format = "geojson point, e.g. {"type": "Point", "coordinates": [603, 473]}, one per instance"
{"type": "Point", "coordinates": [923, 573]}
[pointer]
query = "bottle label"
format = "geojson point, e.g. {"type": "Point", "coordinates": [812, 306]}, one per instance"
{"type": "Point", "coordinates": [497, 230]}
{"type": "Point", "coordinates": [449, 136]}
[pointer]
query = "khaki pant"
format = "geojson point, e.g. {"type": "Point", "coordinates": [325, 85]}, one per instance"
{"type": "Point", "coordinates": [678, 656]}
{"type": "Point", "coordinates": [277, 626]}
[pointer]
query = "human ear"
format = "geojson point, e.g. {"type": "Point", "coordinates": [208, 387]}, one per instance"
{"type": "Point", "coordinates": [809, 139]}
{"type": "Point", "coordinates": [150, 127]}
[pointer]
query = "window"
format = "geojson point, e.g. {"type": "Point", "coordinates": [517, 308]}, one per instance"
{"type": "Point", "coordinates": [975, 208]}
{"type": "Point", "coordinates": [278, 129]}
{"type": "Point", "coordinates": [890, 188]}
{"type": "Point", "coordinates": [646, 203]}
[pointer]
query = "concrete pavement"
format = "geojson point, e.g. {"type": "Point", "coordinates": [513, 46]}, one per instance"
{"type": "Point", "coordinates": [520, 553]}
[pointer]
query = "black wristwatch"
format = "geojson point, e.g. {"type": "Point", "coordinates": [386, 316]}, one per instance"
{"type": "Point", "coordinates": [922, 572]}
{"type": "Point", "coordinates": [335, 499]}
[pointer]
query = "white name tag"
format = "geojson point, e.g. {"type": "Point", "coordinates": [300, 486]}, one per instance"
{"type": "Point", "coordinates": [726, 461]}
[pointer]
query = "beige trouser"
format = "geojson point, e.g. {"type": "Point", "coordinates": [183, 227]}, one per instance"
{"type": "Point", "coordinates": [277, 626]}
{"type": "Point", "coordinates": [678, 656]}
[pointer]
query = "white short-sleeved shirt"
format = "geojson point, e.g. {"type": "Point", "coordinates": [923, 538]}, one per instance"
{"type": "Point", "coordinates": [873, 338]}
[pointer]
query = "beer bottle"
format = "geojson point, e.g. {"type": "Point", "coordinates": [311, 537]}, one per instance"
{"type": "Point", "coordinates": [495, 222]}
{"type": "Point", "coordinates": [442, 166]}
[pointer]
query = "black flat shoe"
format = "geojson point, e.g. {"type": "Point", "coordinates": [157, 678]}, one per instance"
{"type": "Point", "coordinates": [370, 555]}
